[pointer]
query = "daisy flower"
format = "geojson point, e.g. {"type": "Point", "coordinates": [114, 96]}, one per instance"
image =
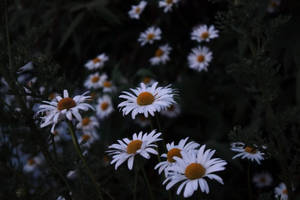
{"type": "Point", "coordinates": [88, 124]}
{"type": "Point", "coordinates": [148, 81]}
{"type": "Point", "coordinates": [141, 144]}
{"type": "Point", "coordinates": [87, 139]}
{"type": "Point", "coordinates": [251, 153]}
{"type": "Point", "coordinates": [136, 10]}
{"type": "Point", "coordinates": [172, 111]}
{"type": "Point", "coordinates": [146, 100]}
{"type": "Point", "coordinates": [151, 34]}
{"type": "Point", "coordinates": [193, 169]}
{"type": "Point", "coordinates": [273, 5]}
{"type": "Point", "coordinates": [200, 58]}
{"type": "Point", "coordinates": [104, 106]}
{"type": "Point", "coordinates": [161, 55]}
{"type": "Point", "coordinates": [167, 4]}
{"type": "Point", "coordinates": [97, 62]}
{"type": "Point", "coordinates": [263, 179]}
{"type": "Point", "coordinates": [63, 107]}
{"type": "Point", "coordinates": [204, 33]}
{"type": "Point", "coordinates": [142, 120]}
{"type": "Point", "coordinates": [174, 150]}
{"type": "Point", "coordinates": [107, 84]}
{"type": "Point", "coordinates": [32, 163]}
{"type": "Point", "coordinates": [281, 192]}
{"type": "Point", "coordinates": [93, 81]}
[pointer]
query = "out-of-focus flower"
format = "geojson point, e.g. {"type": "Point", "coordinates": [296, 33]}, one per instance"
{"type": "Point", "coordinates": [251, 153]}
{"type": "Point", "coordinates": [161, 55]}
{"type": "Point", "coordinates": [150, 35]}
{"type": "Point", "coordinates": [281, 192]}
{"type": "Point", "coordinates": [200, 58]}
{"type": "Point", "coordinates": [167, 5]}
{"type": "Point", "coordinates": [263, 179]}
{"type": "Point", "coordinates": [97, 62]}
{"type": "Point", "coordinates": [136, 10]}
{"type": "Point", "coordinates": [204, 33]}
{"type": "Point", "coordinates": [104, 106]}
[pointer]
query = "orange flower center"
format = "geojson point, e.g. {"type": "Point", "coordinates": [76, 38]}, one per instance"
{"type": "Point", "coordinates": [85, 137]}
{"type": "Point", "coordinates": [173, 152]}
{"type": "Point", "coordinates": [85, 121]}
{"type": "Point", "coordinates": [147, 80]}
{"type": "Point", "coordinates": [200, 58]}
{"type": "Point", "coordinates": [31, 161]}
{"type": "Point", "coordinates": [150, 36]}
{"type": "Point", "coordinates": [66, 103]}
{"type": "Point", "coordinates": [104, 105]}
{"type": "Point", "coordinates": [137, 10]}
{"type": "Point", "coordinates": [194, 171]}
{"type": "Point", "coordinates": [95, 79]}
{"type": "Point", "coordinates": [133, 146]}
{"type": "Point", "coordinates": [169, 1]}
{"type": "Point", "coordinates": [145, 98]}
{"type": "Point", "coordinates": [204, 35]}
{"type": "Point", "coordinates": [159, 52]}
{"type": "Point", "coordinates": [285, 191]}
{"type": "Point", "coordinates": [96, 60]}
{"type": "Point", "coordinates": [107, 84]}
{"type": "Point", "coordinates": [250, 150]}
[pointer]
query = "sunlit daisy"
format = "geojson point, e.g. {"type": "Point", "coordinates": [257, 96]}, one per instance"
{"type": "Point", "coordinates": [141, 144]}
{"type": "Point", "coordinates": [88, 138]}
{"type": "Point", "coordinates": [148, 81]}
{"type": "Point", "coordinates": [104, 106]}
{"type": "Point", "coordinates": [147, 100]}
{"type": "Point", "coordinates": [263, 179]}
{"type": "Point", "coordinates": [167, 5]}
{"type": "Point", "coordinates": [161, 55]}
{"type": "Point", "coordinates": [174, 150]}
{"type": "Point", "coordinates": [88, 123]}
{"type": "Point", "coordinates": [62, 107]}
{"type": "Point", "coordinates": [200, 58]}
{"type": "Point", "coordinates": [93, 81]}
{"type": "Point", "coordinates": [150, 35]}
{"type": "Point", "coordinates": [273, 5]}
{"type": "Point", "coordinates": [204, 33]}
{"type": "Point", "coordinates": [193, 169]}
{"type": "Point", "coordinates": [250, 152]}
{"type": "Point", "coordinates": [172, 111]}
{"type": "Point", "coordinates": [97, 62]}
{"type": "Point", "coordinates": [136, 10]}
{"type": "Point", "coordinates": [281, 192]}
{"type": "Point", "coordinates": [32, 163]}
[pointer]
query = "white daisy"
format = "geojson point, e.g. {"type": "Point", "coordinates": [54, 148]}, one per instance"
{"type": "Point", "coordinates": [148, 81]}
{"type": "Point", "coordinates": [200, 58]}
{"type": "Point", "coordinates": [174, 150]}
{"type": "Point", "coordinates": [141, 144]}
{"type": "Point", "coordinates": [251, 153]}
{"type": "Point", "coordinates": [32, 163]}
{"type": "Point", "coordinates": [281, 192]}
{"type": "Point", "coordinates": [146, 100]}
{"type": "Point", "coordinates": [172, 111]}
{"type": "Point", "coordinates": [161, 55]}
{"type": "Point", "coordinates": [93, 81]}
{"type": "Point", "coordinates": [97, 62]}
{"type": "Point", "coordinates": [167, 4]}
{"type": "Point", "coordinates": [136, 10]}
{"type": "Point", "coordinates": [192, 169]}
{"type": "Point", "coordinates": [62, 107]}
{"type": "Point", "coordinates": [104, 106]}
{"type": "Point", "coordinates": [150, 35]}
{"type": "Point", "coordinates": [263, 179]}
{"type": "Point", "coordinates": [273, 5]}
{"type": "Point", "coordinates": [106, 84]}
{"type": "Point", "coordinates": [88, 124]}
{"type": "Point", "coordinates": [88, 138]}
{"type": "Point", "coordinates": [204, 33]}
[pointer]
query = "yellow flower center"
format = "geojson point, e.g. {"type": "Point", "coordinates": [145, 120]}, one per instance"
{"type": "Point", "coordinates": [104, 105]}
{"type": "Point", "coordinates": [204, 35]}
{"type": "Point", "coordinates": [107, 84]}
{"type": "Point", "coordinates": [159, 52]}
{"type": "Point", "coordinates": [85, 121]}
{"type": "Point", "coordinates": [147, 80]}
{"type": "Point", "coordinates": [85, 137]}
{"type": "Point", "coordinates": [133, 146]}
{"type": "Point", "coordinates": [145, 98]}
{"type": "Point", "coordinates": [95, 79]}
{"type": "Point", "coordinates": [31, 161]}
{"type": "Point", "coordinates": [169, 1]}
{"type": "Point", "coordinates": [150, 36]}
{"type": "Point", "coordinates": [96, 60]}
{"type": "Point", "coordinates": [173, 152]}
{"type": "Point", "coordinates": [200, 58]}
{"type": "Point", "coordinates": [66, 103]}
{"type": "Point", "coordinates": [194, 171]}
{"type": "Point", "coordinates": [285, 191]}
{"type": "Point", "coordinates": [250, 150]}
{"type": "Point", "coordinates": [137, 10]}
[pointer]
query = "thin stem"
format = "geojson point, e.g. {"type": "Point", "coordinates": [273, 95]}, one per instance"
{"type": "Point", "coordinates": [147, 183]}
{"type": "Point", "coordinates": [157, 122]}
{"type": "Point", "coordinates": [134, 184]}
{"type": "Point", "coordinates": [79, 152]}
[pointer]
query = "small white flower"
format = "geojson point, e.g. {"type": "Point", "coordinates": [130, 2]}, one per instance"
{"type": "Point", "coordinates": [204, 33]}
{"type": "Point", "coordinates": [136, 10]}
{"type": "Point", "coordinates": [172, 111]}
{"type": "Point", "coordinates": [251, 153]}
{"type": "Point", "coordinates": [192, 169]}
{"type": "Point", "coordinates": [32, 163]}
{"type": "Point", "coordinates": [88, 138]}
{"type": "Point", "coordinates": [104, 106]}
{"type": "Point", "coordinates": [106, 84]}
{"type": "Point", "coordinates": [142, 120]}
{"type": "Point", "coordinates": [141, 144]}
{"type": "Point", "coordinates": [97, 62]}
{"type": "Point", "coordinates": [273, 5]}
{"type": "Point", "coordinates": [148, 81]}
{"type": "Point", "coordinates": [93, 81]}
{"type": "Point", "coordinates": [150, 35]}
{"type": "Point", "coordinates": [88, 124]}
{"type": "Point", "coordinates": [62, 107]}
{"type": "Point", "coordinates": [200, 58]}
{"type": "Point", "coordinates": [263, 179]}
{"type": "Point", "coordinates": [145, 100]}
{"type": "Point", "coordinates": [281, 192]}
{"type": "Point", "coordinates": [161, 55]}
{"type": "Point", "coordinates": [174, 150]}
{"type": "Point", "coordinates": [167, 4]}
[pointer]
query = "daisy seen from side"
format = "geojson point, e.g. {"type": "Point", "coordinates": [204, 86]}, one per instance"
{"type": "Point", "coordinates": [200, 58]}
{"type": "Point", "coordinates": [97, 62]}
{"type": "Point", "coordinates": [88, 138]}
{"type": "Point", "coordinates": [167, 5]}
{"type": "Point", "coordinates": [281, 192]}
{"type": "Point", "coordinates": [250, 152]}
{"type": "Point", "coordinates": [136, 10]}
{"type": "Point", "coordinates": [204, 33]}
{"type": "Point", "coordinates": [172, 111]}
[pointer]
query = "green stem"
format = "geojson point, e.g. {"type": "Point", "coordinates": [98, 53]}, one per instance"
{"type": "Point", "coordinates": [134, 184]}
{"type": "Point", "coordinates": [79, 152]}
{"type": "Point", "coordinates": [147, 183]}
